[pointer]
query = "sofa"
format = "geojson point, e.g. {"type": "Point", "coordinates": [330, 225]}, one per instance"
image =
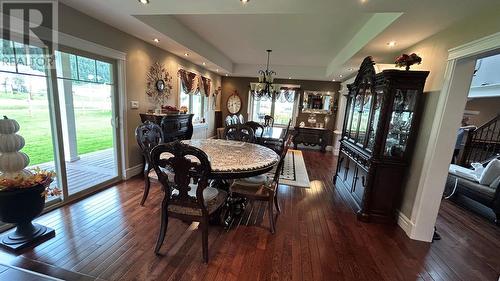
{"type": "Point", "coordinates": [472, 183]}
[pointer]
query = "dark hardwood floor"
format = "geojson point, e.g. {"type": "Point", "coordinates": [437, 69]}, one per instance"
{"type": "Point", "coordinates": [108, 236]}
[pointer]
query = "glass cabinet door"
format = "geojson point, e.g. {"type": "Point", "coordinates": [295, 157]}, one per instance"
{"type": "Point", "coordinates": [358, 101]}
{"type": "Point", "coordinates": [375, 118]}
{"type": "Point", "coordinates": [400, 123]}
{"type": "Point", "coordinates": [365, 116]}
{"type": "Point", "coordinates": [348, 120]}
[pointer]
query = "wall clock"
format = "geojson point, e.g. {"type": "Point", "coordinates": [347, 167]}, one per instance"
{"type": "Point", "coordinates": [234, 103]}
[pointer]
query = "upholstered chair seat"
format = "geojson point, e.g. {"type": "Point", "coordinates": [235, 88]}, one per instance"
{"type": "Point", "coordinates": [252, 188]}
{"type": "Point", "coordinates": [213, 199]}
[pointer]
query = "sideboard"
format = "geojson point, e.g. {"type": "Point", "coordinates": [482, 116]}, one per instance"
{"type": "Point", "coordinates": [311, 136]}
{"type": "Point", "coordinates": [174, 126]}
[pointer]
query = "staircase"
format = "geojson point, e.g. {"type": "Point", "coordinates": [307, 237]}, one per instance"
{"type": "Point", "coordinates": [481, 144]}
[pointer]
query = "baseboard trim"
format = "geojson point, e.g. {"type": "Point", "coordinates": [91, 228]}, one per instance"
{"type": "Point", "coordinates": [132, 171]}
{"type": "Point", "coordinates": [405, 223]}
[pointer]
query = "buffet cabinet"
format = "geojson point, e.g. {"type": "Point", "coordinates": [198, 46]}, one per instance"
{"type": "Point", "coordinates": [309, 136]}
{"type": "Point", "coordinates": [379, 131]}
{"type": "Point", "coordinates": [173, 126]}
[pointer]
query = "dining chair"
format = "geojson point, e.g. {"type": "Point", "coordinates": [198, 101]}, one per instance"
{"type": "Point", "coordinates": [256, 126]}
{"type": "Point", "coordinates": [189, 197]}
{"type": "Point", "coordinates": [278, 145]}
{"type": "Point", "coordinates": [229, 120]}
{"type": "Point", "coordinates": [262, 188]}
{"type": "Point", "coordinates": [148, 135]}
{"type": "Point", "coordinates": [268, 121]}
{"type": "Point", "coordinates": [239, 133]}
{"type": "Point", "coordinates": [236, 120]}
{"type": "Point", "coordinates": [241, 118]}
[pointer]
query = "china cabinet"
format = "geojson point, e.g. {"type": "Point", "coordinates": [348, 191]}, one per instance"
{"type": "Point", "coordinates": [380, 127]}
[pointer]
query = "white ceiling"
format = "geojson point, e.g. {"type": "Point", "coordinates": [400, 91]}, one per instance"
{"type": "Point", "coordinates": [313, 39]}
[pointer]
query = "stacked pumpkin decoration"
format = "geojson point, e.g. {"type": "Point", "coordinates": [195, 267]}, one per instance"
{"type": "Point", "coordinates": [12, 161]}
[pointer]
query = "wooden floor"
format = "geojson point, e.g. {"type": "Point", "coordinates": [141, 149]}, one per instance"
{"type": "Point", "coordinates": [110, 237]}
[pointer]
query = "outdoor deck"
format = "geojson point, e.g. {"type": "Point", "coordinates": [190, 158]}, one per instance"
{"type": "Point", "coordinates": [91, 169]}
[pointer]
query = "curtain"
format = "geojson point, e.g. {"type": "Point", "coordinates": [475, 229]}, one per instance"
{"type": "Point", "coordinates": [206, 85]}
{"type": "Point", "coordinates": [287, 94]}
{"type": "Point", "coordinates": [194, 84]}
{"type": "Point", "coordinates": [189, 82]}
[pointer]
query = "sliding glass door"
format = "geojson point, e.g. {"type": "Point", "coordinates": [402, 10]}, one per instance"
{"type": "Point", "coordinates": [68, 116]}
{"type": "Point", "coordinates": [25, 97]}
{"type": "Point", "coordinates": [86, 98]}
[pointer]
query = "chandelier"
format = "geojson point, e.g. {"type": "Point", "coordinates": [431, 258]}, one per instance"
{"type": "Point", "coordinates": [265, 89]}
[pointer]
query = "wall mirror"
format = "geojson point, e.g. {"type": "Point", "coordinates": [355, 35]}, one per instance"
{"type": "Point", "coordinates": [317, 102]}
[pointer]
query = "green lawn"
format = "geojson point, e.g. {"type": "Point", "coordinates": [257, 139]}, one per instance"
{"type": "Point", "coordinates": [94, 131]}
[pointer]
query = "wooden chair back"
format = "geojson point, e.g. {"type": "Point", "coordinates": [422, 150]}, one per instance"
{"type": "Point", "coordinates": [148, 135]}
{"type": "Point", "coordinates": [287, 136]}
{"type": "Point", "coordinates": [229, 120]}
{"type": "Point", "coordinates": [239, 133]}
{"type": "Point", "coordinates": [236, 120]}
{"type": "Point", "coordinates": [241, 119]}
{"type": "Point", "coordinates": [287, 142]}
{"type": "Point", "coordinates": [186, 172]}
{"type": "Point", "coordinates": [268, 121]}
{"type": "Point", "coordinates": [256, 126]}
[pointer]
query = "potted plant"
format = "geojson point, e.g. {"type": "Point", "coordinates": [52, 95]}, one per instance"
{"type": "Point", "coordinates": [406, 60]}
{"type": "Point", "coordinates": [22, 192]}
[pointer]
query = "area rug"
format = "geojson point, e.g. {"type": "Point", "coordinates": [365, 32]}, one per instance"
{"type": "Point", "coordinates": [294, 171]}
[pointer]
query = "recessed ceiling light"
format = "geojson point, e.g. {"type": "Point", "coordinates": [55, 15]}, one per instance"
{"type": "Point", "coordinates": [217, 70]}
{"type": "Point", "coordinates": [244, 1]}
{"type": "Point", "coordinates": [204, 63]}
{"type": "Point", "coordinates": [289, 77]}
{"type": "Point", "coordinates": [350, 69]}
{"type": "Point", "coordinates": [227, 74]}
{"type": "Point", "coordinates": [341, 75]}
{"type": "Point", "coordinates": [333, 80]}
{"type": "Point", "coordinates": [186, 54]}
{"type": "Point", "coordinates": [156, 40]}
{"type": "Point", "coordinates": [144, 2]}
{"type": "Point", "coordinates": [391, 44]}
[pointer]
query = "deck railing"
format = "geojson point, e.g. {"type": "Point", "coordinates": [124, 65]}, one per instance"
{"type": "Point", "coordinates": [482, 143]}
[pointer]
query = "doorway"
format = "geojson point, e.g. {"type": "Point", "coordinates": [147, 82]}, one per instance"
{"type": "Point", "coordinates": [457, 82]}
{"type": "Point", "coordinates": [68, 115]}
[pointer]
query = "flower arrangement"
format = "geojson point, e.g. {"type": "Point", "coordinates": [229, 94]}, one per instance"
{"type": "Point", "coordinates": [406, 60]}
{"type": "Point", "coordinates": [37, 177]}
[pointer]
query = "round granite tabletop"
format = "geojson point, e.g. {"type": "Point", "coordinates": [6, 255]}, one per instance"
{"type": "Point", "coordinates": [235, 159]}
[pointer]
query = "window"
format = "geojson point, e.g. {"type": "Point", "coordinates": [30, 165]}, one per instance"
{"type": "Point", "coordinates": [195, 104]}
{"type": "Point", "coordinates": [280, 108]}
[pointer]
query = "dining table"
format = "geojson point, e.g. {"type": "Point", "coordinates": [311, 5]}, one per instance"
{"type": "Point", "coordinates": [231, 160]}
{"type": "Point", "coordinates": [235, 159]}
{"type": "Point", "coordinates": [270, 134]}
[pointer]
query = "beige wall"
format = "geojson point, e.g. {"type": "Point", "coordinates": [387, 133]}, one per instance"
{"type": "Point", "coordinates": [488, 108]}
{"type": "Point", "coordinates": [242, 85]}
{"type": "Point", "coordinates": [140, 56]}
{"type": "Point", "coordinates": [434, 52]}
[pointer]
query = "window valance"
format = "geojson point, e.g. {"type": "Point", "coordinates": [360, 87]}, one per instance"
{"type": "Point", "coordinates": [193, 83]}
{"type": "Point", "coordinates": [281, 92]}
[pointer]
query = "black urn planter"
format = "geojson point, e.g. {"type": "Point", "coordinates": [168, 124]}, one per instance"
{"type": "Point", "coordinates": [20, 207]}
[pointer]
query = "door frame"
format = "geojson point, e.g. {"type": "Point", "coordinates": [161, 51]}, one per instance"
{"type": "Point", "coordinates": [457, 80]}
